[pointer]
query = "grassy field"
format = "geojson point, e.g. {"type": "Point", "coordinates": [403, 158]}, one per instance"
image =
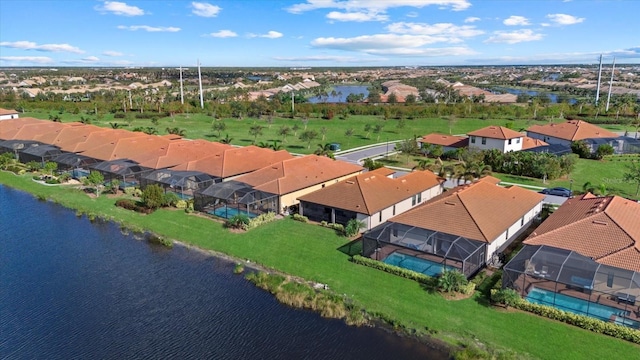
{"type": "Point", "coordinates": [199, 126]}
{"type": "Point", "coordinates": [314, 253]}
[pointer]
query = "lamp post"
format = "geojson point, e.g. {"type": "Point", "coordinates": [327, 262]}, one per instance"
{"type": "Point", "coordinates": [387, 153]}
{"type": "Point", "coordinates": [571, 185]}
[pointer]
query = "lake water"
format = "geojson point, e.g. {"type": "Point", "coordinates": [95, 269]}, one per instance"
{"type": "Point", "coordinates": [72, 289]}
{"type": "Point", "coordinates": [553, 98]}
{"type": "Point", "coordinates": [342, 91]}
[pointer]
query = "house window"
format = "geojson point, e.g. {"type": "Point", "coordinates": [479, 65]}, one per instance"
{"type": "Point", "coordinates": [522, 221]}
{"type": "Point", "coordinates": [473, 139]}
{"type": "Point", "coordinates": [419, 198]}
{"type": "Point", "coordinates": [518, 141]}
{"type": "Point", "coordinates": [380, 216]}
{"type": "Point", "coordinates": [416, 199]}
{"type": "Point", "coordinates": [394, 210]}
{"type": "Point", "coordinates": [509, 141]}
{"type": "Point", "coordinates": [484, 141]}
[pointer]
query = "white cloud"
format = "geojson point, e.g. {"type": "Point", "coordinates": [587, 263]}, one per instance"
{"type": "Point", "coordinates": [356, 16]}
{"type": "Point", "coordinates": [222, 34]}
{"type": "Point", "coordinates": [514, 37]}
{"type": "Point", "coordinates": [515, 20]}
{"type": "Point", "coordinates": [375, 6]}
{"type": "Point", "coordinates": [119, 8]}
{"type": "Point", "coordinates": [112, 53]}
{"type": "Point", "coordinates": [392, 44]}
{"type": "Point", "coordinates": [412, 14]}
{"type": "Point", "coordinates": [329, 58]}
{"type": "Point", "coordinates": [87, 60]}
{"type": "Point", "coordinates": [27, 59]}
{"type": "Point", "coordinates": [564, 19]}
{"type": "Point", "coordinates": [471, 19]}
{"type": "Point", "coordinates": [30, 45]}
{"type": "Point", "coordinates": [269, 35]}
{"type": "Point", "coordinates": [453, 33]}
{"type": "Point", "coordinates": [149, 28]}
{"type": "Point", "coordinates": [205, 9]}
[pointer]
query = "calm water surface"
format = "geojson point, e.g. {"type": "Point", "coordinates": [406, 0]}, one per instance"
{"type": "Point", "coordinates": [70, 289]}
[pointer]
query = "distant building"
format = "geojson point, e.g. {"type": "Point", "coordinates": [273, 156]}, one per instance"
{"type": "Point", "coordinates": [576, 130]}
{"type": "Point", "coordinates": [496, 137]}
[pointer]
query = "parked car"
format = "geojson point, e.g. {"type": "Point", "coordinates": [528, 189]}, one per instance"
{"type": "Point", "coordinates": [557, 191]}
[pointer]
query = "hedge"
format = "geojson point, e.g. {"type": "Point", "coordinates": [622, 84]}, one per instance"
{"type": "Point", "coordinates": [395, 270]}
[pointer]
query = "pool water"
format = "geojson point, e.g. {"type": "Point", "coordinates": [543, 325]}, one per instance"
{"type": "Point", "coordinates": [627, 322]}
{"type": "Point", "coordinates": [413, 263]}
{"type": "Point", "coordinates": [571, 304]}
{"type": "Point", "coordinates": [229, 212]}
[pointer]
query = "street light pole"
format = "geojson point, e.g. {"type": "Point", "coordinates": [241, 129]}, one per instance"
{"type": "Point", "coordinates": [387, 153]}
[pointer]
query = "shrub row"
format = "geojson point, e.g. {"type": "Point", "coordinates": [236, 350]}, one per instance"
{"type": "Point", "coordinates": [395, 270]}
{"type": "Point", "coordinates": [300, 218]}
{"type": "Point", "coordinates": [261, 219]}
{"type": "Point", "coordinates": [132, 205]}
{"type": "Point", "coordinates": [335, 226]}
{"type": "Point", "coordinates": [585, 322]}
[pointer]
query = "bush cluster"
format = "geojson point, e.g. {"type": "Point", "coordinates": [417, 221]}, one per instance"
{"type": "Point", "coordinates": [335, 226]}
{"type": "Point", "coordinates": [301, 218]}
{"type": "Point", "coordinates": [133, 205]}
{"type": "Point", "coordinates": [261, 219]}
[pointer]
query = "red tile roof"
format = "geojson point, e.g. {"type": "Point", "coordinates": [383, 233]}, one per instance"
{"type": "Point", "coordinates": [372, 191]}
{"type": "Point", "coordinates": [531, 143]}
{"type": "Point", "coordinates": [236, 161]}
{"type": "Point", "coordinates": [182, 152]}
{"type": "Point", "coordinates": [479, 211]}
{"type": "Point", "coordinates": [445, 140]}
{"type": "Point", "coordinates": [572, 130]}
{"type": "Point", "coordinates": [7, 112]}
{"type": "Point", "coordinates": [607, 229]}
{"type": "Point", "coordinates": [30, 131]}
{"type": "Point", "coordinates": [496, 132]}
{"type": "Point", "coordinates": [103, 138]}
{"type": "Point", "coordinates": [9, 128]}
{"type": "Point", "coordinates": [298, 173]}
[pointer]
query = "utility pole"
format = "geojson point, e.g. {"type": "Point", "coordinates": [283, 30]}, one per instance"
{"type": "Point", "coordinates": [613, 69]}
{"type": "Point", "coordinates": [293, 110]}
{"type": "Point", "coordinates": [200, 81]}
{"type": "Point", "coordinates": [598, 86]}
{"type": "Point", "coordinates": [181, 92]}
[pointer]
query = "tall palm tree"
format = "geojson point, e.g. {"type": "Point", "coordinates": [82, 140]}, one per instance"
{"type": "Point", "coordinates": [324, 150]}
{"type": "Point", "coordinates": [226, 140]}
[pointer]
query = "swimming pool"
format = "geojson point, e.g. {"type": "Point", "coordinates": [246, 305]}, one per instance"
{"type": "Point", "coordinates": [627, 322]}
{"type": "Point", "coordinates": [571, 304]}
{"type": "Point", "coordinates": [413, 263]}
{"type": "Point", "coordinates": [230, 212]}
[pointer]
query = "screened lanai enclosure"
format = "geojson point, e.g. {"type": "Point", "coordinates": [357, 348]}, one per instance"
{"type": "Point", "coordinates": [77, 165]}
{"type": "Point", "coordinates": [128, 172]}
{"type": "Point", "coordinates": [182, 183]}
{"type": "Point", "coordinates": [575, 283]}
{"type": "Point", "coordinates": [227, 199]}
{"type": "Point", "coordinates": [39, 153]}
{"type": "Point", "coordinates": [14, 146]}
{"type": "Point", "coordinates": [422, 250]}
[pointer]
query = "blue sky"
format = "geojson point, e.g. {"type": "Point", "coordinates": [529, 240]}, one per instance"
{"type": "Point", "coordinates": [317, 32]}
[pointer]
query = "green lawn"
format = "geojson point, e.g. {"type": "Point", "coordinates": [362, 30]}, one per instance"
{"type": "Point", "coordinates": [312, 252]}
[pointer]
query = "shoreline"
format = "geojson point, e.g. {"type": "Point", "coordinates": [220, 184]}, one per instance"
{"type": "Point", "coordinates": [414, 314]}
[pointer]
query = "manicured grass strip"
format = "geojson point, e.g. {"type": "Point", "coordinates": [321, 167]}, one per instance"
{"type": "Point", "coordinates": [314, 253]}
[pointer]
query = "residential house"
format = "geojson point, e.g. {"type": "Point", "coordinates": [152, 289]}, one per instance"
{"type": "Point", "coordinates": [463, 228]}
{"type": "Point", "coordinates": [6, 114]}
{"type": "Point", "coordinates": [576, 130]}
{"type": "Point", "coordinates": [496, 137]}
{"type": "Point", "coordinates": [587, 252]}
{"type": "Point", "coordinates": [372, 197]}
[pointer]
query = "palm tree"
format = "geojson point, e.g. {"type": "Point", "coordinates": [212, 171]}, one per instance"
{"type": "Point", "coordinates": [226, 140]}
{"type": "Point", "coordinates": [219, 126]}
{"type": "Point", "coordinates": [324, 150]}
{"type": "Point", "coordinates": [176, 131]}
{"type": "Point", "coordinates": [308, 136]}
{"type": "Point", "coordinates": [276, 146]}
{"type": "Point", "coordinates": [423, 164]}
{"type": "Point", "coordinates": [349, 133]}
{"type": "Point", "coordinates": [284, 131]}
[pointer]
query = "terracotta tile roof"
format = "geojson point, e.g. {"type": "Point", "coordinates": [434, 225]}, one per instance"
{"type": "Point", "coordinates": [7, 112]}
{"type": "Point", "coordinates": [445, 140]}
{"type": "Point", "coordinates": [572, 130]}
{"type": "Point", "coordinates": [236, 161]}
{"type": "Point", "coordinates": [371, 192]}
{"type": "Point", "coordinates": [33, 130]}
{"type": "Point", "coordinates": [607, 229]}
{"type": "Point", "coordinates": [137, 148]}
{"type": "Point", "coordinates": [490, 179]}
{"type": "Point", "coordinates": [182, 152]}
{"type": "Point", "coordinates": [531, 143]}
{"type": "Point", "coordinates": [298, 173]}
{"type": "Point", "coordinates": [70, 137]}
{"type": "Point", "coordinates": [9, 128]}
{"type": "Point", "coordinates": [102, 138]}
{"type": "Point", "coordinates": [496, 132]}
{"type": "Point", "coordinates": [479, 211]}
